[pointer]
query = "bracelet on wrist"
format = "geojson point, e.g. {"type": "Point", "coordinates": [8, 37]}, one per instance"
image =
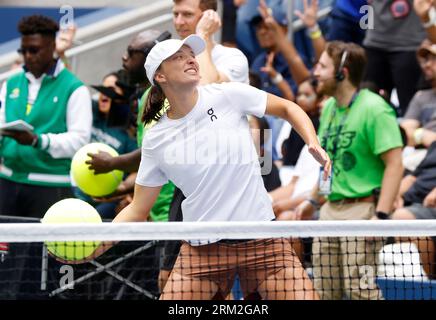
{"type": "Point", "coordinates": [314, 29]}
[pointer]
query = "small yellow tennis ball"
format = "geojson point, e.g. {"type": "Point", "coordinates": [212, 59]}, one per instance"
{"type": "Point", "coordinates": [96, 185]}
{"type": "Point", "coordinates": [72, 211]}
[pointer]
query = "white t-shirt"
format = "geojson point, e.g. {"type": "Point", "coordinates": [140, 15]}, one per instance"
{"type": "Point", "coordinates": [209, 154]}
{"type": "Point", "coordinates": [232, 62]}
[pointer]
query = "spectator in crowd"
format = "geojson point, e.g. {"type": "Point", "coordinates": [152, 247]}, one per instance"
{"type": "Point", "coordinates": [308, 100]}
{"type": "Point", "coordinates": [421, 113]}
{"type": "Point", "coordinates": [228, 36]}
{"type": "Point", "coordinates": [304, 177]}
{"type": "Point", "coordinates": [309, 17]}
{"type": "Point", "coordinates": [109, 126]}
{"type": "Point", "coordinates": [270, 173]}
{"type": "Point", "coordinates": [64, 41]}
{"type": "Point", "coordinates": [359, 131]}
{"type": "Point", "coordinates": [270, 65]}
{"type": "Point", "coordinates": [426, 11]}
{"type": "Point", "coordinates": [391, 49]}
{"type": "Point", "coordinates": [287, 198]}
{"type": "Point", "coordinates": [261, 133]}
{"type": "Point", "coordinates": [245, 33]}
{"type": "Point", "coordinates": [35, 165]}
{"type": "Point", "coordinates": [344, 21]}
{"type": "Point", "coordinates": [35, 169]}
{"type": "Point", "coordinates": [133, 63]}
{"type": "Point", "coordinates": [219, 63]}
{"type": "Point", "coordinates": [417, 200]}
{"type": "Point", "coordinates": [279, 67]}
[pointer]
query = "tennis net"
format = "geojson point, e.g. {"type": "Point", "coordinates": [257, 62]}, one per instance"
{"type": "Point", "coordinates": [330, 260]}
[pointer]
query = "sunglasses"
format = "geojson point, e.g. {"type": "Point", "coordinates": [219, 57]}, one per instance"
{"type": "Point", "coordinates": [31, 50]}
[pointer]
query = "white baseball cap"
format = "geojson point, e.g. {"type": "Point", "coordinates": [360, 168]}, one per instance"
{"type": "Point", "coordinates": [165, 49]}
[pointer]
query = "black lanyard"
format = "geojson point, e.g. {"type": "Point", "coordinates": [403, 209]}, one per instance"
{"type": "Point", "coordinates": [340, 127]}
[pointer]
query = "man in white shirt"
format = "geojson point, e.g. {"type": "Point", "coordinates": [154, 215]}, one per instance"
{"type": "Point", "coordinates": [218, 63]}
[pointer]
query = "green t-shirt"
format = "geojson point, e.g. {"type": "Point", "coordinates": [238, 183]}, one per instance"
{"type": "Point", "coordinates": [161, 207]}
{"type": "Point", "coordinates": [369, 129]}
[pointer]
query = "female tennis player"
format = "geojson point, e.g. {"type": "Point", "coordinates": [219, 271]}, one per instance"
{"type": "Point", "coordinates": [203, 144]}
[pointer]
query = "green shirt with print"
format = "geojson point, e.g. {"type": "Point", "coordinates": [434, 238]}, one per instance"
{"type": "Point", "coordinates": [369, 129]}
{"type": "Point", "coordinates": [161, 207]}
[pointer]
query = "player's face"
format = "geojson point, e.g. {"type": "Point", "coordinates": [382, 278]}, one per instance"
{"type": "Point", "coordinates": [186, 14]}
{"type": "Point", "coordinates": [180, 69]}
{"type": "Point", "coordinates": [325, 75]}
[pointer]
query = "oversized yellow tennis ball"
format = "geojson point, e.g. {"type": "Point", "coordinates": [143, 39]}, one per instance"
{"type": "Point", "coordinates": [72, 211]}
{"type": "Point", "coordinates": [96, 185]}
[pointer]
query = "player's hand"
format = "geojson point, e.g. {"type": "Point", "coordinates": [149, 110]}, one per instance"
{"type": "Point", "coordinates": [322, 157]}
{"type": "Point", "coordinates": [22, 137]}
{"type": "Point", "coordinates": [209, 23]}
{"type": "Point", "coordinates": [100, 162]}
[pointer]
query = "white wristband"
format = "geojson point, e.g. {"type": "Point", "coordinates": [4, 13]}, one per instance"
{"type": "Point", "coordinates": [277, 79]}
{"type": "Point", "coordinates": [314, 29]}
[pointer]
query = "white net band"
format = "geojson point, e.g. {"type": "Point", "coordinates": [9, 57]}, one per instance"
{"type": "Point", "coordinates": [35, 232]}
